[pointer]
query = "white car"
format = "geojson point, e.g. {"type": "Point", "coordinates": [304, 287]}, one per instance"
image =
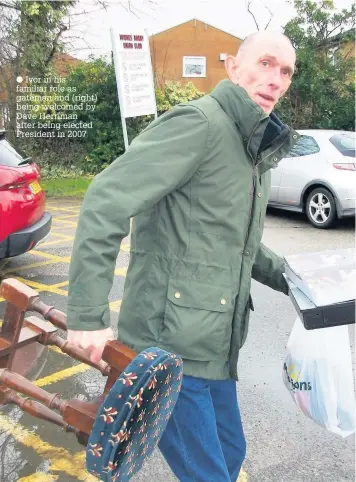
{"type": "Point", "coordinates": [318, 177]}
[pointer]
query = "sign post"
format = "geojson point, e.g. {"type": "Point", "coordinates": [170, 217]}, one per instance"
{"type": "Point", "coordinates": [134, 77]}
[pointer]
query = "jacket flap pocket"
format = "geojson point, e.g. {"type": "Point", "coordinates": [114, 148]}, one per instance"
{"type": "Point", "coordinates": [201, 296]}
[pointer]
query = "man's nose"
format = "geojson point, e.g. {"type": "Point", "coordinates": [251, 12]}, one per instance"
{"type": "Point", "coordinates": [274, 79]}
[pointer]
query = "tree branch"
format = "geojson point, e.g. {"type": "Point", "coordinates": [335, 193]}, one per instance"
{"type": "Point", "coordinates": [7, 5]}
{"type": "Point", "coordinates": [249, 10]}
{"type": "Point", "coordinates": [333, 30]}
{"type": "Point", "coordinates": [62, 29]}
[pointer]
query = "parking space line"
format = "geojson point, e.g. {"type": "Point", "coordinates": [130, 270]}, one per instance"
{"type": "Point", "coordinates": [66, 216]}
{"type": "Point", "coordinates": [54, 257]}
{"type": "Point", "coordinates": [62, 375]}
{"type": "Point", "coordinates": [28, 266]}
{"type": "Point", "coordinates": [61, 284]}
{"type": "Point", "coordinates": [50, 243]}
{"type": "Point", "coordinates": [121, 271]}
{"type": "Point", "coordinates": [64, 236]}
{"type": "Point", "coordinates": [60, 459]}
{"type": "Point", "coordinates": [243, 476]}
{"type": "Point", "coordinates": [70, 209]}
{"type": "Point", "coordinates": [49, 204]}
{"type": "Point", "coordinates": [60, 234]}
{"type": "Point", "coordinates": [115, 305]}
{"type": "Point", "coordinates": [41, 287]}
{"type": "Point", "coordinates": [118, 271]}
{"type": "Point", "coordinates": [39, 477]}
{"type": "Point", "coordinates": [66, 223]}
{"type": "Point", "coordinates": [57, 350]}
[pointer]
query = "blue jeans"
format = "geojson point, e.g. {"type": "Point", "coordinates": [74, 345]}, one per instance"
{"type": "Point", "coordinates": [204, 439]}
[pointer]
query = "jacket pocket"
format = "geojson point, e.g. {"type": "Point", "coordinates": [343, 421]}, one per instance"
{"type": "Point", "coordinates": [197, 320]}
{"type": "Point", "coordinates": [246, 320]}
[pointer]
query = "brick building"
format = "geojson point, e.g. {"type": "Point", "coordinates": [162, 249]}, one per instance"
{"type": "Point", "coordinates": [192, 51]}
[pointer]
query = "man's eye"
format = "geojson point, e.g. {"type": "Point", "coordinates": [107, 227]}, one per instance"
{"type": "Point", "coordinates": [265, 63]}
{"type": "Point", "coordinates": [285, 72]}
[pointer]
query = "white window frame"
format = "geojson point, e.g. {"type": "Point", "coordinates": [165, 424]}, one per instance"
{"type": "Point", "coordinates": [186, 59]}
{"type": "Point", "coordinates": [332, 54]}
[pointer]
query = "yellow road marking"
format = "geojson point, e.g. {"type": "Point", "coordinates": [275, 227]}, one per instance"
{"type": "Point", "coordinates": [66, 223]}
{"type": "Point", "coordinates": [57, 350]}
{"type": "Point", "coordinates": [33, 265]}
{"type": "Point", "coordinates": [125, 248]}
{"type": "Point", "coordinates": [115, 305]}
{"type": "Point", "coordinates": [43, 254]}
{"type": "Point", "coordinates": [56, 260]}
{"type": "Point", "coordinates": [64, 236]}
{"type": "Point", "coordinates": [39, 477]}
{"type": "Point", "coordinates": [50, 243]}
{"type": "Point", "coordinates": [41, 287]}
{"type": "Point", "coordinates": [61, 284]}
{"type": "Point", "coordinates": [59, 218]}
{"type": "Point", "coordinates": [52, 206]}
{"type": "Point", "coordinates": [62, 375]}
{"type": "Point", "coordinates": [243, 476]}
{"type": "Point", "coordinates": [61, 460]}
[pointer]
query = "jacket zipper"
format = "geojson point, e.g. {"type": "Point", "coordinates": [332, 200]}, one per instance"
{"type": "Point", "coordinates": [254, 177]}
{"type": "Point", "coordinates": [251, 202]}
{"type": "Point", "coordinates": [255, 164]}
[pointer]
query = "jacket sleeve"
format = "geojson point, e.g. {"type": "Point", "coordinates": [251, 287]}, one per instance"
{"type": "Point", "coordinates": [268, 269]}
{"type": "Point", "coordinates": [162, 158]}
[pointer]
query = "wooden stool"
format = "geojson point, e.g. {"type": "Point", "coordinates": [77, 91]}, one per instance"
{"type": "Point", "coordinates": [24, 337]}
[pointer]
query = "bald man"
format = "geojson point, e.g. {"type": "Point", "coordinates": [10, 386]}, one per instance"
{"type": "Point", "coordinates": [196, 183]}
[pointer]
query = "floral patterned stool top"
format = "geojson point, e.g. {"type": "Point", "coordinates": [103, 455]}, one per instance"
{"type": "Point", "coordinates": [130, 422]}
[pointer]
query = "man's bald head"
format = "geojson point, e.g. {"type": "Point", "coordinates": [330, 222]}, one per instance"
{"type": "Point", "coordinates": [264, 67]}
{"type": "Point", "coordinates": [260, 37]}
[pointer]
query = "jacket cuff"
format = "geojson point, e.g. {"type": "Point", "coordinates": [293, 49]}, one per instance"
{"type": "Point", "coordinates": [88, 318]}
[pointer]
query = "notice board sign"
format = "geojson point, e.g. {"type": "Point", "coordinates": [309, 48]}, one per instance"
{"type": "Point", "coordinates": [134, 76]}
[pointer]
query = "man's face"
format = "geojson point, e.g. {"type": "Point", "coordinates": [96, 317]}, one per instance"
{"type": "Point", "coordinates": [264, 70]}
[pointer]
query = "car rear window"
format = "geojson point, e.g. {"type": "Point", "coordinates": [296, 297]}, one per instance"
{"type": "Point", "coordinates": [305, 146]}
{"type": "Point", "coordinates": [344, 143]}
{"type": "Point", "coordinates": [8, 155]}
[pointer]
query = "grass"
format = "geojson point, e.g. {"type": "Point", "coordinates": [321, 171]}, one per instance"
{"type": "Point", "coordinates": [66, 187]}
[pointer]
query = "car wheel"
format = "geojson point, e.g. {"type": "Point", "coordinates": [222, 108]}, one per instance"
{"type": "Point", "coordinates": [321, 208]}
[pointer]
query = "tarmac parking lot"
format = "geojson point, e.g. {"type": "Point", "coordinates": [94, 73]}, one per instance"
{"type": "Point", "coordinates": [32, 450]}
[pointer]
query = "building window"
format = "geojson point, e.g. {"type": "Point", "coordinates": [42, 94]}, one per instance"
{"type": "Point", "coordinates": [333, 53]}
{"type": "Point", "coordinates": [194, 66]}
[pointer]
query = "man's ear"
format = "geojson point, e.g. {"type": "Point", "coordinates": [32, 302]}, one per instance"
{"type": "Point", "coordinates": [231, 68]}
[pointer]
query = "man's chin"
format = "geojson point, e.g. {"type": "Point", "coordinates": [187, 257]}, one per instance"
{"type": "Point", "coordinates": [267, 107]}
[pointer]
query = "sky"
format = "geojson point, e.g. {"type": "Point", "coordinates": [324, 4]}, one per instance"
{"type": "Point", "coordinates": [92, 29]}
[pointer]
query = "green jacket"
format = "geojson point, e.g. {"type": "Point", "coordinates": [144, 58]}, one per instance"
{"type": "Point", "coordinates": [196, 184]}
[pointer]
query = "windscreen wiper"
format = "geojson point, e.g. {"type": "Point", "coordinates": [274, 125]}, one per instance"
{"type": "Point", "coordinates": [28, 160]}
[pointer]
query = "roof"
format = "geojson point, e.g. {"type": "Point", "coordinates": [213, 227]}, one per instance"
{"type": "Point", "coordinates": [345, 36]}
{"type": "Point", "coordinates": [190, 20]}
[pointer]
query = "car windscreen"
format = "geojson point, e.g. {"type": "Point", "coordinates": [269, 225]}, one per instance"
{"type": "Point", "coordinates": [8, 155]}
{"type": "Point", "coordinates": [344, 143]}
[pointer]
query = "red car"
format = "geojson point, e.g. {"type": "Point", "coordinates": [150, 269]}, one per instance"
{"type": "Point", "coordinates": [23, 220]}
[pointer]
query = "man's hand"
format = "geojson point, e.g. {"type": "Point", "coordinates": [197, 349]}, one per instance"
{"type": "Point", "coordinates": [93, 342]}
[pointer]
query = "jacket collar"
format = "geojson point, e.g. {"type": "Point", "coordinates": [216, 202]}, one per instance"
{"type": "Point", "coordinates": [266, 138]}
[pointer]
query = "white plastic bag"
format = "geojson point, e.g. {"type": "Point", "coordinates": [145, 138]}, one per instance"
{"type": "Point", "coordinates": [317, 372]}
